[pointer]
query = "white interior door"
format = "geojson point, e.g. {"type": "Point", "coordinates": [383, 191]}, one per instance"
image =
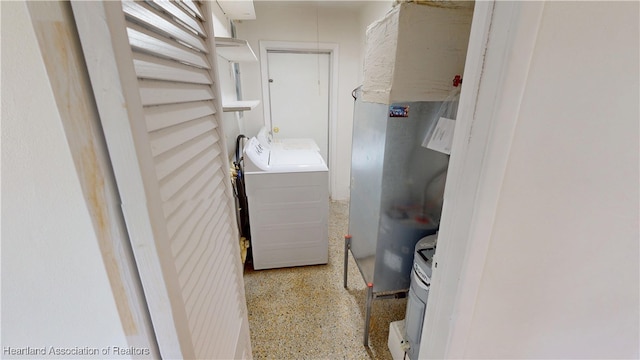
{"type": "Point", "coordinates": [162, 126]}
{"type": "Point", "coordinates": [299, 96]}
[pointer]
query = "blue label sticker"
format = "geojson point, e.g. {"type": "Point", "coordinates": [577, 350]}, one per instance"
{"type": "Point", "coordinates": [398, 111]}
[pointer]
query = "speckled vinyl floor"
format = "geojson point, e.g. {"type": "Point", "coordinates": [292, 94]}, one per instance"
{"type": "Point", "coordinates": [306, 313]}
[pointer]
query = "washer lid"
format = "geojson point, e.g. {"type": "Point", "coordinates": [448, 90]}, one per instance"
{"type": "Point", "coordinates": [295, 144]}
{"type": "Point", "coordinates": [296, 161]}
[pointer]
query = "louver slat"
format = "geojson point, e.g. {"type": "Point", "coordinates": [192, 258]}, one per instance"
{"type": "Point", "coordinates": [162, 92]}
{"type": "Point", "coordinates": [196, 250]}
{"type": "Point", "coordinates": [165, 139]}
{"type": "Point", "coordinates": [179, 179]}
{"type": "Point", "coordinates": [198, 292]}
{"type": "Point", "coordinates": [193, 281]}
{"type": "Point", "coordinates": [192, 7]}
{"type": "Point", "coordinates": [181, 14]}
{"type": "Point", "coordinates": [145, 40]}
{"type": "Point", "coordinates": [170, 161]}
{"type": "Point", "coordinates": [151, 67]}
{"type": "Point", "coordinates": [160, 117]}
{"type": "Point", "coordinates": [207, 178]}
{"type": "Point", "coordinates": [144, 14]}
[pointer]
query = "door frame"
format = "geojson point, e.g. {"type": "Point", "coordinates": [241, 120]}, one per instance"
{"type": "Point", "coordinates": [308, 47]}
{"type": "Point", "coordinates": [501, 46]}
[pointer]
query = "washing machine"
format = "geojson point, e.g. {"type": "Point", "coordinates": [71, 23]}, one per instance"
{"type": "Point", "coordinates": [288, 197]}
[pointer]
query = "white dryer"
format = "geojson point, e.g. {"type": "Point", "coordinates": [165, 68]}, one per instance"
{"type": "Point", "coordinates": [288, 198]}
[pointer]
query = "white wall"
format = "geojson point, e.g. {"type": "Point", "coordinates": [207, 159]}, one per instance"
{"type": "Point", "coordinates": [230, 120]}
{"type": "Point", "coordinates": [296, 21]}
{"type": "Point", "coordinates": [561, 275]}
{"type": "Point", "coordinates": [55, 289]}
{"type": "Point", "coordinates": [370, 12]}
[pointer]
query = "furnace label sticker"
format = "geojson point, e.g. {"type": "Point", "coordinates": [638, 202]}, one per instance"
{"type": "Point", "coordinates": [398, 111]}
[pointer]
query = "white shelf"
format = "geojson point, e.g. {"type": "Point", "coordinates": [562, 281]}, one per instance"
{"type": "Point", "coordinates": [238, 10]}
{"type": "Point", "coordinates": [235, 50]}
{"type": "Point", "coordinates": [244, 105]}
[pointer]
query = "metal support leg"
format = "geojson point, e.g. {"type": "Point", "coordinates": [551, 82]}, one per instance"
{"type": "Point", "coordinates": [367, 318]}
{"type": "Point", "coordinates": [347, 246]}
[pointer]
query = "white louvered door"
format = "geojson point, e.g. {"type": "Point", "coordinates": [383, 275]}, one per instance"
{"type": "Point", "coordinates": [153, 73]}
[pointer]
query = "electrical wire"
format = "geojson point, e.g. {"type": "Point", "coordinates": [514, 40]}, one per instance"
{"type": "Point", "coordinates": [240, 191]}
{"type": "Point", "coordinates": [355, 92]}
